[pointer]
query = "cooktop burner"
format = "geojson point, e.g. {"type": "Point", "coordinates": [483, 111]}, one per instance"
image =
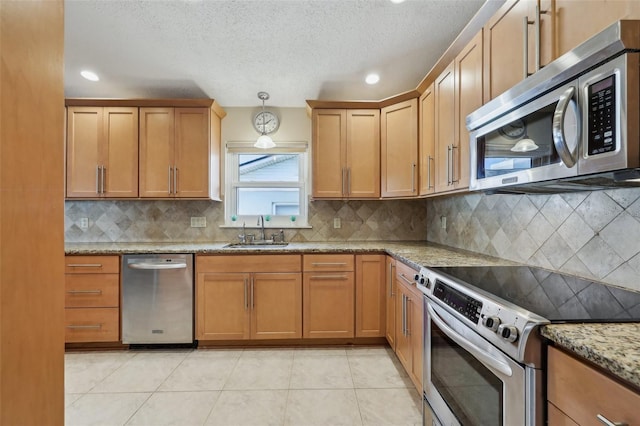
{"type": "Point", "coordinates": [554, 296]}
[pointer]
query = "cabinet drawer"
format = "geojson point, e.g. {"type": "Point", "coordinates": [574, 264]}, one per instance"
{"type": "Point", "coordinates": [327, 262]}
{"type": "Point", "coordinates": [92, 325]}
{"type": "Point", "coordinates": [582, 392]}
{"type": "Point", "coordinates": [405, 273]}
{"type": "Point", "coordinates": [91, 264]}
{"type": "Point", "coordinates": [92, 291]}
{"type": "Point", "coordinates": [249, 263]}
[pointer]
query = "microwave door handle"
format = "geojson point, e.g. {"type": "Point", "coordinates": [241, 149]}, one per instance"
{"type": "Point", "coordinates": [559, 138]}
{"type": "Point", "coordinates": [482, 356]}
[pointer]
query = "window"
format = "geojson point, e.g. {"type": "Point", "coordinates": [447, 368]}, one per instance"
{"type": "Point", "coordinates": [266, 183]}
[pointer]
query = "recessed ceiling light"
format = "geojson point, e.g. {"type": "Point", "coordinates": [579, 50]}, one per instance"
{"type": "Point", "coordinates": [397, 1]}
{"type": "Point", "coordinates": [90, 75]}
{"type": "Point", "coordinates": [372, 78]}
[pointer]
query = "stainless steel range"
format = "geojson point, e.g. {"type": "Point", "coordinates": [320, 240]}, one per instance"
{"type": "Point", "coordinates": [483, 357]}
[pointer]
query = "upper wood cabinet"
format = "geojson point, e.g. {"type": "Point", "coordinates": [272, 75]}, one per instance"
{"type": "Point", "coordinates": [399, 141]}
{"type": "Point", "coordinates": [102, 152]}
{"type": "Point", "coordinates": [458, 92]}
{"type": "Point", "coordinates": [427, 147]}
{"type": "Point", "coordinates": [174, 152]}
{"type": "Point", "coordinates": [346, 153]}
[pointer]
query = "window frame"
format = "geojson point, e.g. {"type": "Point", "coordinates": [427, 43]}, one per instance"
{"type": "Point", "coordinates": [232, 182]}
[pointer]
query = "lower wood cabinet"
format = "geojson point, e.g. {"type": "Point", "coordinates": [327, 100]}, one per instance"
{"type": "Point", "coordinates": [370, 295]}
{"type": "Point", "coordinates": [577, 393]}
{"type": "Point", "coordinates": [328, 294]}
{"type": "Point", "coordinates": [390, 301]}
{"type": "Point", "coordinates": [92, 299]}
{"type": "Point", "coordinates": [409, 323]}
{"type": "Point", "coordinates": [232, 304]}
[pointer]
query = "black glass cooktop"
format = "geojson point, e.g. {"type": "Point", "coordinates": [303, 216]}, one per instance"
{"type": "Point", "coordinates": [556, 297]}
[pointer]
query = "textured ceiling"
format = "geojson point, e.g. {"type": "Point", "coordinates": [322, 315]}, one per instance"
{"type": "Point", "coordinates": [231, 49]}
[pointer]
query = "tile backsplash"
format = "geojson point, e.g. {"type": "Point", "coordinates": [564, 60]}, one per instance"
{"type": "Point", "coordinates": [165, 221]}
{"type": "Point", "coordinates": [595, 235]}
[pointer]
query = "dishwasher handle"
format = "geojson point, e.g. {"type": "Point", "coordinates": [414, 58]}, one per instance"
{"type": "Point", "coordinates": [152, 266]}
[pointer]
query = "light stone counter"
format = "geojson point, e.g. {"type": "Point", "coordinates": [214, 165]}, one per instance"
{"type": "Point", "coordinates": [416, 254]}
{"type": "Point", "coordinates": [614, 347]}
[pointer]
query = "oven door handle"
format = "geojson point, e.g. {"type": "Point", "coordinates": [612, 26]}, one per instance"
{"type": "Point", "coordinates": [482, 356]}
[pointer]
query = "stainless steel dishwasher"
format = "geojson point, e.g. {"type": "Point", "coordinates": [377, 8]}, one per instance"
{"type": "Point", "coordinates": [157, 299]}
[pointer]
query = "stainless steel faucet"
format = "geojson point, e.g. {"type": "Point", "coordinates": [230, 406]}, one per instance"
{"type": "Point", "coordinates": [261, 225]}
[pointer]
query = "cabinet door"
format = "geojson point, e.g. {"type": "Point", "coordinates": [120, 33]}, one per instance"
{"type": "Point", "coordinates": [415, 330]}
{"type": "Point", "coordinates": [329, 152]}
{"type": "Point", "coordinates": [84, 138]}
{"type": "Point", "coordinates": [276, 302]}
{"type": "Point", "coordinates": [156, 152]}
{"type": "Point", "coordinates": [399, 139]}
{"type": "Point", "coordinates": [191, 161]}
{"type": "Point", "coordinates": [468, 98]}
{"type": "Point", "coordinates": [222, 306]}
{"type": "Point", "coordinates": [391, 294]}
{"type": "Point", "coordinates": [403, 341]}
{"type": "Point", "coordinates": [504, 36]}
{"type": "Point", "coordinates": [427, 141]}
{"type": "Point", "coordinates": [120, 152]}
{"type": "Point", "coordinates": [363, 154]}
{"type": "Point", "coordinates": [328, 304]}
{"type": "Point", "coordinates": [445, 128]}
{"type": "Point", "coordinates": [370, 295]}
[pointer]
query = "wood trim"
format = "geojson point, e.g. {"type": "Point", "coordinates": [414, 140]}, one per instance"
{"type": "Point", "coordinates": [322, 104]}
{"type": "Point", "coordinates": [347, 343]}
{"type": "Point", "coordinates": [151, 103]}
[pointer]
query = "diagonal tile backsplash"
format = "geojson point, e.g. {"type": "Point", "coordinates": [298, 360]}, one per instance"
{"type": "Point", "coordinates": [592, 234]}
{"type": "Point", "coordinates": [163, 221]}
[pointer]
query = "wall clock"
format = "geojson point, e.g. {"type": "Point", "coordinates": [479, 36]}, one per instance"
{"type": "Point", "coordinates": [266, 122]}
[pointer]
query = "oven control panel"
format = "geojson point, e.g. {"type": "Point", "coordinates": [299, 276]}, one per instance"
{"type": "Point", "coordinates": [462, 303]}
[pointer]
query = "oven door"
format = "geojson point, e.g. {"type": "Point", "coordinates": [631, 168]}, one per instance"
{"type": "Point", "coordinates": [536, 142]}
{"type": "Point", "coordinates": [467, 381]}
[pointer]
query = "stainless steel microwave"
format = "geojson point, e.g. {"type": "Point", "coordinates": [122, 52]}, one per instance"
{"type": "Point", "coordinates": [574, 125]}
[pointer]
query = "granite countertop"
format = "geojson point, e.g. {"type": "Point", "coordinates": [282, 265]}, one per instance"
{"type": "Point", "coordinates": [415, 254]}
{"type": "Point", "coordinates": [613, 346]}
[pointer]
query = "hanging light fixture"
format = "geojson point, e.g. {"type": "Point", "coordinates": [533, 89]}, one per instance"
{"type": "Point", "coordinates": [264, 141]}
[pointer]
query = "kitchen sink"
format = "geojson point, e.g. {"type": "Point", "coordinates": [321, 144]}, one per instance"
{"type": "Point", "coordinates": [256, 245]}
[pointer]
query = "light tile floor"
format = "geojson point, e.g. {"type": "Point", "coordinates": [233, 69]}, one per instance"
{"type": "Point", "coordinates": [302, 386]}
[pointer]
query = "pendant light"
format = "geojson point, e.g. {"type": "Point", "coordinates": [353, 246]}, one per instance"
{"type": "Point", "coordinates": [264, 141]}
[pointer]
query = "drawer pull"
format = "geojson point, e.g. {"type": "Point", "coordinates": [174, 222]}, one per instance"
{"type": "Point", "coordinates": [84, 291]}
{"type": "Point", "coordinates": [85, 327]}
{"type": "Point", "coordinates": [329, 277]}
{"type": "Point", "coordinates": [608, 422]}
{"type": "Point", "coordinates": [329, 263]}
{"type": "Point", "coordinates": [85, 265]}
{"type": "Point", "coordinates": [404, 277]}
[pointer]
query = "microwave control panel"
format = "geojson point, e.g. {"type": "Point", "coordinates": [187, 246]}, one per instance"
{"type": "Point", "coordinates": [602, 116]}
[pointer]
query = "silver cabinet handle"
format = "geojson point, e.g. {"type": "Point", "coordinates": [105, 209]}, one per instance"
{"type": "Point", "coordinates": [97, 179]}
{"type": "Point", "coordinates": [329, 263]}
{"type": "Point", "coordinates": [246, 299]}
{"type": "Point", "coordinates": [84, 265]}
{"type": "Point", "coordinates": [84, 291]}
{"type": "Point", "coordinates": [559, 137]}
{"type": "Point", "coordinates": [449, 156]}
{"type": "Point", "coordinates": [329, 277]}
{"type": "Point", "coordinates": [406, 312]}
{"type": "Point", "coordinates": [102, 180]}
{"type": "Point", "coordinates": [608, 422]}
{"type": "Point", "coordinates": [170, 179]}
{"type": "Point", "coordinates": [429, 160]}
{"type": "Point", "coordinates": [344, 181]}
{"type": "Point", "coordinates": [88, 326]}
{"type": "Point", "coordinates": [538, 30]}
{"type": "Point", "coordinates": [391, 266]}
{"type": "Point", "coordinates": [175, 180]}
{"type": "Point", "coordinates": [405, 279]}
{"type": "Point", "coordinates": [413, 177]}
{"type": "Point", "coordinates": [453, 165]}
{"type": "Point", "coordinates": [525, 48]}
{"type": "Point", "coordinates": [349, 181]}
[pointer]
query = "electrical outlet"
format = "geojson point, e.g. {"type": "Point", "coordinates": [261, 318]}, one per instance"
{"type": "Point", "coordinates": [443, 222]}
{"type": "Point", "coordinates": [198, 222]}
{"type": "Point", "coordinates": [337, 224]}
{"type": "Point", "coordinates": [84, 222]}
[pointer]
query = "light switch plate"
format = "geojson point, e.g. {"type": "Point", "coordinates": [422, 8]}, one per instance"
{"type": "Point", "coordinates": [443, 222]}
{"type": "Point", "coordinates": [198, 222]}
{"type": "Point", "coordinates": [84, 222]}
{"type": "Point", "coordinates": [337, 224]}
